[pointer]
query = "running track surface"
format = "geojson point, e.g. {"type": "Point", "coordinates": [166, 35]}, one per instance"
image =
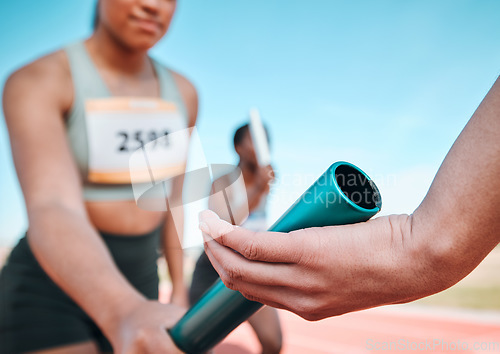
{"type": "Point", "coordinates": [391, 329]}
{"type": "Point", "coordinates": [394, 329]}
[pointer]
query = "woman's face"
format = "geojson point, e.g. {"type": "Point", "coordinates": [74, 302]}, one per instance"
{"type": "Point", "coordinates": [138, 24]}
{"type": "Point", "coordinates": [246, 150]}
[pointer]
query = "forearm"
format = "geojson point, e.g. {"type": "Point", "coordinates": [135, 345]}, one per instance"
{"type": "Point", "coordinates": [458, 219]}
{"type": "Point", "coordinates": [76, 259]}
{"type": "Point", "coordinates": [174, 255]}
{"type": "Point", "coordinates": [377, 262]}
{"type": "Point", "coordinates": [457, 224]}
{"type": "Point", "coordinates": [403, 258]}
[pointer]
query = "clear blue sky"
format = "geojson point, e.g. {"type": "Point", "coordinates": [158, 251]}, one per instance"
{"type": "Point", "coordinates": [387, 85]}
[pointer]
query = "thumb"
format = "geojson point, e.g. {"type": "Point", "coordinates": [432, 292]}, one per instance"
{"type": "Point", "coordinates": [212, 225]}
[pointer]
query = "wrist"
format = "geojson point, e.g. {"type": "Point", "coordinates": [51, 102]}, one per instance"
{"type": "Point", "coordinates": [393, 261]}
{"type": "Point", "coordinates": [179, 287]}
{"type": "Point", "coordinates": [113, 318]}
{"type": "Point", "coordinates": [424, 259]}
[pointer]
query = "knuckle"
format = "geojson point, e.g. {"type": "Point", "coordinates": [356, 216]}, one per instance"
{"type": "Point", "coordinates": [307, 309]}
{"type": "Point", "coordinates": [300, 310]}
{"type": "Point", "coordinates": [222, 239]}
{"type": "Point", "coordinates": [315, 309]}
{"type": "Point", "coordinates": [250, 297]}
{"type": "Point", "coordinates": [228, 282]}
{"type": "Point", "coordinates": [233, 273]}
{"type": "Point", "coordinates": [312, 317]}
{"type": "Point", "coordinates": [250, 250]}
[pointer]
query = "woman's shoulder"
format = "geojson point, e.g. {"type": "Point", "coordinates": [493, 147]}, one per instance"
{"type": "Point", "coordinates": [187, 91]}
{"type": "Point", "coordinates": [189, 94]}
{"type": "Point", "coordinates": [184, 84]}
{"type": "Point", "coordinates": [52, 66]}
{"type": "Point", "coordinates": [49, 74]}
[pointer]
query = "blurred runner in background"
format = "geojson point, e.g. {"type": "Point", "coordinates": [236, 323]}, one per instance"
{"type": "Point", "coordinates": [256, 178]}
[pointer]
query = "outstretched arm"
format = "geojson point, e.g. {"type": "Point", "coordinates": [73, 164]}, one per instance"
{"type": "Point", "coordinates": [322, 272]}
{"type": "Point", "coordinates": [60, 234]}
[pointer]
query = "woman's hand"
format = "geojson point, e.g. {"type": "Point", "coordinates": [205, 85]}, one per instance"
{"type": "Point", "coordinates": [322, 272]}
{"type": "Point", "coordinates": [144, 329]}
{"type": "Point", "coordinates": [264, 177]}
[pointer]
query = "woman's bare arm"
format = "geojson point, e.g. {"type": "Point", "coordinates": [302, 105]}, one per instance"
{"type": "Point", "coordinates": [60, 235]}
{"type": "Point", "coordinates": [321, 272]}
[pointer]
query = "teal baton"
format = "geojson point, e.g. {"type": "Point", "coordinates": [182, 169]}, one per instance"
{"type": "Point", "coordinates": [342, 195]}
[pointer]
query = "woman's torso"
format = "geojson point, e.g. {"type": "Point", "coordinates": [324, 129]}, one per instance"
{"type": "Point", "coordinates": [257, 217]}
{"type": "Point", "coordinates": [115, 210]}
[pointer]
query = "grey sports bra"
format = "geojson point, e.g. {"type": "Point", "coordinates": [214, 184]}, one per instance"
{"type": "Point", "coordinates": [89, 85]}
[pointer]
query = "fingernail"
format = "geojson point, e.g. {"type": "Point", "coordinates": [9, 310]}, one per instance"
{"type": "Point", "coordinates": [204, 227]}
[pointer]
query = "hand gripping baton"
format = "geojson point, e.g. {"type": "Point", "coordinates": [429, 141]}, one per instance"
{"type": "Point", "coordinates": [342, 195]}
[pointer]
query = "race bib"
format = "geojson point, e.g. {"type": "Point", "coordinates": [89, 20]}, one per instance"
{"type": "Point", "coordinates": [119, 126]}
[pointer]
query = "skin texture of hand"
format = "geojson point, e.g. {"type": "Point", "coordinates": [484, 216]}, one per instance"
{"type": "Point", "coordinates": [144, 329]}
{"type": "Point", "coordinates": [315, 272]}
{"type": "Point", "coordinates": [327, 271]}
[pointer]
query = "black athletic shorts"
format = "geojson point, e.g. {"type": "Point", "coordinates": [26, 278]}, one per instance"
{"type": "Point", "coordinates": [35, 314]}
{"type": "Point", "coordinates": [204, 276]}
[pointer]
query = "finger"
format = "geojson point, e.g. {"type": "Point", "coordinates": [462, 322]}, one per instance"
{"type": "Point", "coordinates": [238, 268]}
{"type": "Point", "coordinates": [249, 295]}
{"type": "Point", "coordinates": [257, 246]}
{"type": "Point", "coordinates": [295, 298]}
{"type": "Point", "coordinates": [214, 226]}
{"type": "Point", "coordinates": [282, 297]}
